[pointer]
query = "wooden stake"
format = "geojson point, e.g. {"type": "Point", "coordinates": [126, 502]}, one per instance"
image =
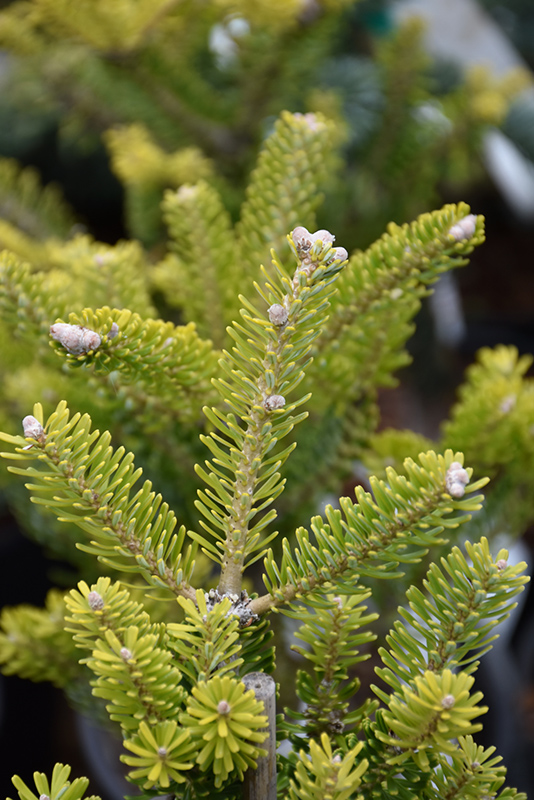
{"type": "Point", "coordinates": [260, 783]}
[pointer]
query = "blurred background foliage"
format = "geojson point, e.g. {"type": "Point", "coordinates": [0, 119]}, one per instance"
{"type": "Point", "coordinates": [83, 95]}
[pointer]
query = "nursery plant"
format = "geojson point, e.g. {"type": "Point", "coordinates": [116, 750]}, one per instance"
{"type": "Point", "coordinates": [282, 345]}
{"type": "Point", "coordinates": [235, 361]}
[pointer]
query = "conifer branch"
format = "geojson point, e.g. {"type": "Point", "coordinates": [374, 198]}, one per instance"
{"type": "Point", "coordinates": [284, 188]}
{"type": "Point", "coordinates": [379, 294]}
{"type": "Point", "coordinates": [99, 275]}
{"type": "Point", "coordinates": [266, 361]}
{"type": "Point", "coordinates": [207, 641]}
{"type": "Point", "coordinates": [191, 726]}
{"type": "Point", "coordinates": [17, 242]}
{"type": "Point", "coordinates": [26, 299]}
{"type": "Point", "coordinates": [465, 601]}
{"type": "Point", "coordinates": [409, 256]}
{"type": "Point", "coordinates": [495, 407]}
{"type": "Point", "coordinates": [332, 635]}
{"type": "Point", "coordinates": [450, 629]}
{"type": "Point", "coordinates": [86, 483]}
{"type": "Point", "coordinates": [325, 774]}
{"type": "Point", "coordinates": [471, 771]}
{"type": "Point", "coordinates": [493, 419]}
{"type": "Point", "coordinates": [38, 212]}
{"type": "Point", "coordinates": [35, 645]}
{"type": "Point", "coordinates": [430, 714]}
{"type": "Point", "coordinates": [147, 353]}
{"type": "Point", "coordinates": [138, 160]}
{"type": "Point", "coordinates": [104, 606]}
{"type": "Point", "coordinates": [203, 240]}
{"type": "Point", "coordinates": [398, 524]}
{"type": "Point", "coordinates": [134, 670]}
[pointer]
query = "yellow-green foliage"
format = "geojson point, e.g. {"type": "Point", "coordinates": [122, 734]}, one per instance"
{"type": "Point", "coordinates": [378, 297]}
{"type": "Point", "coordinates": [34, 643]}
{"type": "Point", "coordinates": [494, 418]}
{"type": "Point", "coordinates": [202, 274]}
{"type": "Point", "coordinates": [175, 688]}
{"type": "Point", "coordinates": [151, 374]}
{"type": "Point", "coordinates": [145, 170]}
{"type": "Point", "coordinates": [99, 25]}
{"type": "Point", "coordinates": [390, 447]}
{"type": "Point", "coordinates": [271, 324]}
{"type": "Point", "coordinates": [33, 210]}
{"type": "Point", "coordinates": [495, 412]}
{"type": "Point", "coordinates": [127, 26]}
{"type": "Point", "coordinates": [284, 188]}
{"type": "Point", "coordinates": [136, 159]}
{"type": "Point", "coordinates": [487, 99]}
{"type": "Point", "coordinates": [324, 772]}
{"type": "Point", "coordinates": [30, 213]}
{"type": "Point", "coordinates": [173, 108]}
{"type": "Point", "coordinates": [58, 786]}
{"type": "Point", "coordinates": [98, 275]}
{"type": "Point", "coordinates": [148, 353]}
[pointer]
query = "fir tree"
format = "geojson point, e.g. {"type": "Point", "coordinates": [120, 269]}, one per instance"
{"type": "Point", "coordinates": [267, 376]}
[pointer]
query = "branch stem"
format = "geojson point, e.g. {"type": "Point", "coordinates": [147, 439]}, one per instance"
{"type": "Point", "coordinates": [254, 450]}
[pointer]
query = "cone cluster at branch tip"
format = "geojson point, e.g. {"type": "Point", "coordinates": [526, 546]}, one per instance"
{"type": "Point", "coordinates": [304, 241]}
{"type": "Point", "coordinates": [125, 653]}
{"type": "Point", "coordinates": [456, 479]}
{"type": "Point", "coordinates": [32, 428]}
{"type": "Point", "coordinates": [502, 564]}
{"type": "Point", "coordinates": [75, 339]}
{"type": "Point", "coordinates": [113, 331]}
{"type": "Point", "coordinates": [464, 228]}
{"type": "Point", "coordinates": [448, 701]}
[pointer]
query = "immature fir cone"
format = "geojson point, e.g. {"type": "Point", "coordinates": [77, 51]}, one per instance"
{"type": "Point", "coordinates": [464, 228]}
{"type": "Point", "coordinates": [339, 254]}
{"type": "Point", "coordinates": [32, 428]}
{"type": "Point", "coordinates": [273, 402]}
{"type": "Point", "coordinates": [96, 601]}
{"type": "Point", "coordinates": [304, 240]}
{"type": "Point", "coordinates": [113, 331]}
{"type": "Point", "coordinates": [456, 479]}
{"type": "Point", "coordinates": [75, 339]}
{"type": "Point", "coordinates": [277, 314]}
